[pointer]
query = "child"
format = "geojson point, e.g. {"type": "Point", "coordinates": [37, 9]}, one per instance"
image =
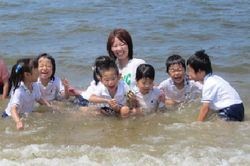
{"type": "Point", "coordinates": [178, 88]}
{"type": "Point", "coordinates": [24, 74]}
{"type": "Point", "coordinates": [149, 98]}
{"type": "Point", "coordinates": [4, 80]}
{"type": "Point", "coordinates": [51, 87]}
{"type": "Point", "coordinates": [217, 93]}
{"type": "Point", "coordinates": [83, 96]}
{"type": "Point", "coordinates": [111, 91]}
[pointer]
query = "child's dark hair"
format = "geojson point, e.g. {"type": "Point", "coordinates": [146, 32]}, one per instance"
{"type": "Point", "coordinates": [175, 59]}
{"type": "Point", "coordinates": [98, 62]}
{"type": "Point", "coordinates": [105, 66]}
{"type": "Point", "coordinates": [145, 71]}
{"type": "Point", "coordinates": [17, 72]}
{"type": "Point", "coordinates": [200, 61]}
{"type": "Point", "coordinates": [53, 62]}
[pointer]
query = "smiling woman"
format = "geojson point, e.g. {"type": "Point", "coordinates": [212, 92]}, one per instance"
{"type": "Point", "coordinates": [120, 46]}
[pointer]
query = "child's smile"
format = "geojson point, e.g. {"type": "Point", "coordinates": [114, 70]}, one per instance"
{"type": "Point", "coordinates": [45, 68]}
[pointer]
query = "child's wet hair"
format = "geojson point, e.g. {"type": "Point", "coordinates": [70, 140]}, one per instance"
{"type": "Point", "coordinates": [21, 66]}
{"type": "Point", "coordinates": [200, 61]}
{"type": "Point", "coordinates": [145, 71]}
{"type": "Point", "coordinates": [53, 62]}
{"type": "Point", "coordinates": [175, 59]}
{"type": "Point", "coordinates": [106, 66]}
{"type": "Point", "coordinates": [98, 62]}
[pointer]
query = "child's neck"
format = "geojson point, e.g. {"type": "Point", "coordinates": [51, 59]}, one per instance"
{"type": "Point", "coordinates": [44, 81]}
{"type": "Point", "coordinates": [28, 84]}
{"type": "Point", "coordinates": [179, 85]}
{"type": "Point", "coordinates": [112, 93]}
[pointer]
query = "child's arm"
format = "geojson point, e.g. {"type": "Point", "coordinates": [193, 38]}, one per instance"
{"type": "Point", "coordinates": [132, 99]}
{"type": "Point", "coordinates": [113, 103]}
{"type": "Point", "coordinates": [203, 111]}
{"type": "Point", "coordinates": [170, 102]}
{"type": "Point", "coordinates": [5, 88]}
{"type": "Point", "coordinates": [16, 118]}
{"type": "Point", "coordinates": [47, 103]}
{"type": "Point", "coordinates": [43, 101]}
{"type": "Point", "coordinates": [65, 83]}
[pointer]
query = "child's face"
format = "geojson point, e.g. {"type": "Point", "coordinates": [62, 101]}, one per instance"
{"type": "Point", "coordinates": [45, 68]}
{"type": "Point", "coordinates": [145, 85]}
{"type": "Point", "coordinates": [195, 76]}
{"type": "Point", "coordinates": [110, 80]}
{"type": "Point", "coordinates": [120, 49]}
{"type": "Point", "coordinates": [33, 75]}
{"type": "Point", "coordinates": [177, 73]}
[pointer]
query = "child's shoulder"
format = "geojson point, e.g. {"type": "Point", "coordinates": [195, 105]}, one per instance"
{"type": "Point", "coordinates": [166, 82]}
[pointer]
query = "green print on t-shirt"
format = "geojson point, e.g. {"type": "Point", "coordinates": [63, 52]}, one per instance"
{"type": "Point", "coordinates": [127, 78]}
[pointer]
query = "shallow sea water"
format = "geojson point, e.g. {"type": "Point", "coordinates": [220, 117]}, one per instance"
{"type": "Point", "coordinates": [75, 33]}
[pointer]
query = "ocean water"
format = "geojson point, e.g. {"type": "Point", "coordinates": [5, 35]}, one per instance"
{"type": "Point", "coordinates": [75, 33]}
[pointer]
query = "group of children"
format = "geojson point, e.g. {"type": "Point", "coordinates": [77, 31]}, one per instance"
{"type": "Point", "coordinates": [124, 88]}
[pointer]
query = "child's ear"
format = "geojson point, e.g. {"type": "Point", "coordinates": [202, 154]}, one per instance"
{"type": "Point", "coordinates": [26, 74]}
{"type": "Point", "coordinates": [119, 76]}
{"type": "Point", "coordinates": [99, 78]}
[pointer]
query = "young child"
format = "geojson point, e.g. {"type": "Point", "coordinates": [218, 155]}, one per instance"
{"type": "Point", "coordinates": [4, 80]}
{"type": "Point", "coordinates": [217, 93]}
{"type": "Point", "coordinates": [83, 96]}
{"type": "Point", "coordinates": [149, 98]}
{"type": "Point", "coordinates": [24, 74]}
{"type": "Point", "coordinates": [178, 88]}
{"type": "Point", "coordinates": [51, 87]}
{"type": "Point", "coordinates": [111, 91]}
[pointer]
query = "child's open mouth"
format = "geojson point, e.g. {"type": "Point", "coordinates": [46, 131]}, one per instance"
{"type": "Point", "coordinates": [44, 74]}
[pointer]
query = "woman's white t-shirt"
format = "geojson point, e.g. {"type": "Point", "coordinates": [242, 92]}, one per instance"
{"type": "Point", "coordinates": [129, 71]}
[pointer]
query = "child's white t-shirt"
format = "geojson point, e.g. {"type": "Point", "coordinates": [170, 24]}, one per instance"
{"type": "Point", "coordinates": [190, 91]}
{"type": "Point", "coordinates": [219, 93]}
{"type": "Point", "coordinates": [53, 90]}
{"type": "Point", "coordinates": [149, 101]}
{"type": "Point", "coordinates": [23, 99]}
{"type": "Point", "coordinates": [120, 95]}
{"type": "Point", "coordinates": [90, 90]}
{"type": "Point", "coordinates": [129, 71]}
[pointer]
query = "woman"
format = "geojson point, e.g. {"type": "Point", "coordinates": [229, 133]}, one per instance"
{"type": "Point", "coordinates": [120, 46]}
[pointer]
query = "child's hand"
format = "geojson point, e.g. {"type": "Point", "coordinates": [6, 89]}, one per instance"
{"type": "Point", "coordinates": [114, 105]}
{"type": "Point", "coordinates": [132, 99]}
{"type": "Point", "coordinates": [161, 98]}
{"type": "Point", "coordinates": [73, 92]}
{"type": "Point", "coordinates": [65, 83]}
{"type": "Point", "coordinates": [19, 125]}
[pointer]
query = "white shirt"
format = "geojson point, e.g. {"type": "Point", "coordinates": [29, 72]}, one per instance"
{"type": "Point", "coordinates": [92, 87]}
{"type": "Point", "coordinates": [53, 90]}
{"type": "Point", "coordinates": [120, 95]}
{"type": "Point", "coordinates": [219, 93]}
{"type": "Point", "coordinates": [129, 71]}
{"type": "Point", "coordinates": [23, 99]}
{"type": "Point", "coordinates": [190, 91]}
{"type": "Point", "coordinates": [149, 101]}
